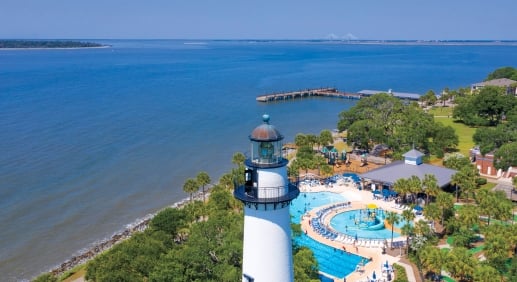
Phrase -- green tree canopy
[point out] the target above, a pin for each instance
(504, 72)
(487, 107)
(506, 156)
(325, 137)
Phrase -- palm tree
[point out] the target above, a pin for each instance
(468, 183)
(468, 215)
(319, 161)
(486, 273)
(203, 179)
(300, 140)
(430, 186)
(444, 201)
(415, 186)
(190, 186)
(456, 180)
(392, 218)
(407, 229)
(226, 180)
(432, 258)
(460, 262)
(433, 212)
(238, 159)
(488, 204)
(401, 186)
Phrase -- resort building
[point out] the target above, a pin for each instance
(413, 164)
(508, 84)
(485, 164)
(400, 95)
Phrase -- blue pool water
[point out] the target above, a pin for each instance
(346, 223)
(308, 201)
(331, 261)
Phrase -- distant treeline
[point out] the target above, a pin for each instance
(46, 44)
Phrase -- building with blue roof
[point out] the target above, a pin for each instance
(412, 165)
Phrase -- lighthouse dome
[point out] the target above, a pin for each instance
(266, 131)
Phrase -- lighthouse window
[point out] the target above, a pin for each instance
(266, 150)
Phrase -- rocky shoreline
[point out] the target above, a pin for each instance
(118, 237)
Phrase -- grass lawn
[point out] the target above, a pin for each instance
(441, 111)
(464, 133)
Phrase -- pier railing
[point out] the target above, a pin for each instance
(322, 92)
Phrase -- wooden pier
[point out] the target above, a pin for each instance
(319, 92)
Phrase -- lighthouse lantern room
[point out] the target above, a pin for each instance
(266, 194)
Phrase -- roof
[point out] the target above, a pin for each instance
(501, 82)
(266, 131)
(396, 170)
(413, 154)
(402, 95)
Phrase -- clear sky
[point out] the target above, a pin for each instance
(260, 19)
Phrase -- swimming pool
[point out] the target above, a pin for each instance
(346, 223)
(332, 261)
(308, 201)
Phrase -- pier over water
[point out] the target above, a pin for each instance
(330, 92)
(318, 92)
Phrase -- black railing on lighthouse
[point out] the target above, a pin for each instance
(267, 195)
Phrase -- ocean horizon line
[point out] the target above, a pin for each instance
(373, 40)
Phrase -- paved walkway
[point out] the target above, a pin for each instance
(358, 199)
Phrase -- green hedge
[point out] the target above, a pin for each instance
(400, 273)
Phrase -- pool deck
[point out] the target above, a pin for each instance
(358, 200)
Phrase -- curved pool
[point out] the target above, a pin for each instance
(308, 201)
(362, 224)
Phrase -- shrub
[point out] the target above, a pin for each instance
(481, 181)
(400, 273)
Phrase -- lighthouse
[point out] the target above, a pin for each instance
(266, 195)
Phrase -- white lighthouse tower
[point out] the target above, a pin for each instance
(266, 194)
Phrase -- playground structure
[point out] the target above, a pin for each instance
(369, 219)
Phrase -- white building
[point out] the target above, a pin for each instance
(266, 194)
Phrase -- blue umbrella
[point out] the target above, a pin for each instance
(418, 208)
(376, 192)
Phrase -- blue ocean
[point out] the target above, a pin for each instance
(93, 139)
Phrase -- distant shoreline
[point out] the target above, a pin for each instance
(53, 48)
(10, 44)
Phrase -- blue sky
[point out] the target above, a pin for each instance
(264, 19)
